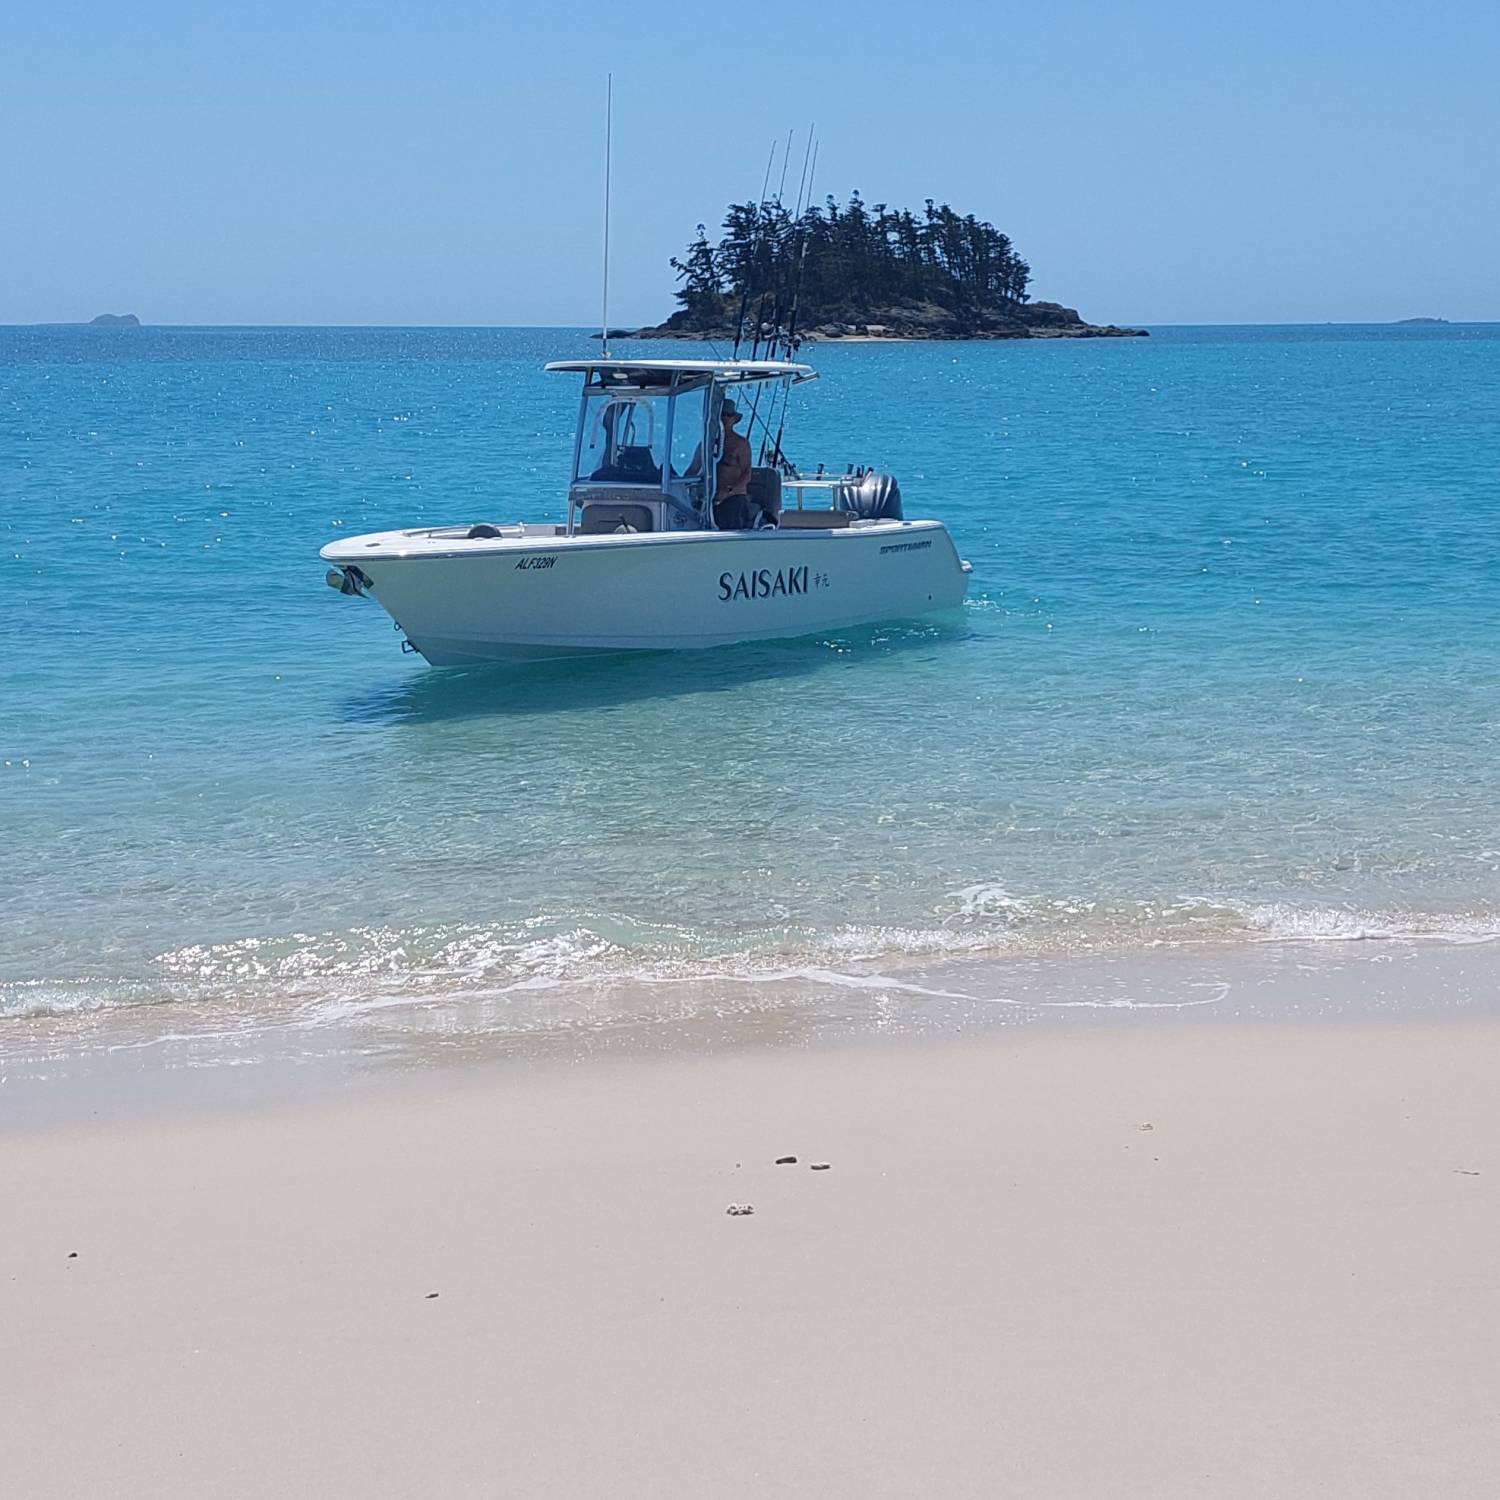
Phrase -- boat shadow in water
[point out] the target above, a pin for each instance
(601, 684)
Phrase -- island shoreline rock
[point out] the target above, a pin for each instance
(1036, 320)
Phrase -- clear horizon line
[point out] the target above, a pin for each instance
(589, 328)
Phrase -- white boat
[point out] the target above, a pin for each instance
(639, 564)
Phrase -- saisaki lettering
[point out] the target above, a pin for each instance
(762, 583)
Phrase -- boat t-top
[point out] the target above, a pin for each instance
(641, 563)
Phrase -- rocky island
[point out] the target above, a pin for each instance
(855, 272)
(115, 320)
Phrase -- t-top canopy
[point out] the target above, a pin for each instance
(644, 372)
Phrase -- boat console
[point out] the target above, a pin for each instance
(648, 441)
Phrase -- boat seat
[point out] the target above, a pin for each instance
(604, 516)
(765, 490)
(630, 466)
(814, 520)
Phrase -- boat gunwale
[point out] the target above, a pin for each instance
(501, 546)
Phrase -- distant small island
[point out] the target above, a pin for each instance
(115, 320)
(855, 272)
(1424, 322)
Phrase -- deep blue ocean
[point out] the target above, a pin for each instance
(1229, 672)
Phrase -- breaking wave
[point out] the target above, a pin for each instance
(544, 961)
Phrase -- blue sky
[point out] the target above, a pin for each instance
(441, 163)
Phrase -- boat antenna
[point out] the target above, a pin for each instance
(609, 121)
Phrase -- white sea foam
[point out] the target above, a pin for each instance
(986, 899)
(535, 965)
(1282, 921)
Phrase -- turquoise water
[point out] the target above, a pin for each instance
(1229, 671)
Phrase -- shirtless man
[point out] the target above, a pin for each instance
(732, 497)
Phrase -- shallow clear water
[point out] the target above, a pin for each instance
(1230, 669)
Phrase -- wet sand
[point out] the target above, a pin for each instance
(1181, 1261)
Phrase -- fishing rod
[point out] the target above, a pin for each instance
(757, 265)
(777, 457)
(809, 172)
(769, 285)
(769, 447)
(800, 236)
(765, 187)
(802, 182)
(781, 187)
(797, 279)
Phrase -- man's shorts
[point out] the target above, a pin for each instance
(733, 513)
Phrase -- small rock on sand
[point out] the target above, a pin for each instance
(821, 1166)
(786, 1161)
(739, 1210)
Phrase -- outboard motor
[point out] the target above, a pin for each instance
(870, 497)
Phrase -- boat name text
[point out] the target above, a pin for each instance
(906, 547)
(762, 583)
(528, 563)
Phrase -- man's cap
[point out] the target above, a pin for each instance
(729, 409)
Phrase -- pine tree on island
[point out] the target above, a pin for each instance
(841, 270)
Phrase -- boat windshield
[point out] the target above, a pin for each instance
(624, 438)
(689, 415)
(646, 438)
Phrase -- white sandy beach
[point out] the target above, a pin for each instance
(1209, 1261)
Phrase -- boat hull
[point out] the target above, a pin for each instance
(539, 597)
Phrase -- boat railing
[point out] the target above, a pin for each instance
(830, 482)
